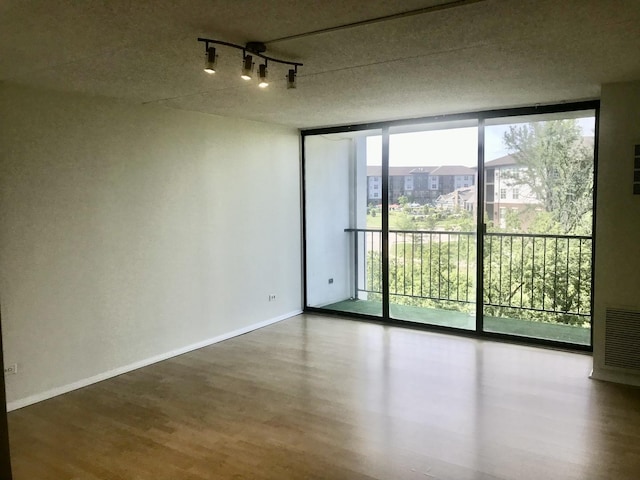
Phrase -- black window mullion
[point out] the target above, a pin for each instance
(480, 231)
(385, 223)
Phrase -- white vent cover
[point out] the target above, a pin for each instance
(622, 342)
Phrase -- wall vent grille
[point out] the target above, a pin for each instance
(622, 342)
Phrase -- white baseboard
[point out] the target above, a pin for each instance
(54, 392)
(615, 376)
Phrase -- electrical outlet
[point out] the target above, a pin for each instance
(272, 297)
(330, 281)
(11, 369)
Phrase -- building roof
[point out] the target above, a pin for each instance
(453, 170)
(501, 162)
(376, 170)
(466, 194)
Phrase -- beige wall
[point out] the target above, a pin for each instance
(131, 233)
(617, 281)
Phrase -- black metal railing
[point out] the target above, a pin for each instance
(538, 273)
(542, 274)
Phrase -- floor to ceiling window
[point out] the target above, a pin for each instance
(432, 223)
(538, 206)
(477, 222)
(343, 235)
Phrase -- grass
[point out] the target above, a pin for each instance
(402, 221)
(452, 318)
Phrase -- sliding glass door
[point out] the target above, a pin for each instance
(539, 215)
(432, 223)
(400, 226)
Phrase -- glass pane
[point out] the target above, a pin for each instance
(538, 211)
(343, 235)
(432, 223)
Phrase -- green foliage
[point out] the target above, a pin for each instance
(539, 274)
(426, 271)
(523, 277)
(544, 222)
(404, 221)
(559, 169)
(513, 222)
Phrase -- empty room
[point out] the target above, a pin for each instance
(320, 240)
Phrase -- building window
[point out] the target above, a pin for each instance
(503, 193)
(516, 194)
(375, 195)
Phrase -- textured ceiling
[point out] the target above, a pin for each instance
(477, 54)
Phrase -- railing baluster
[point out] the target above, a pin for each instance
(555, 277)
(510, 266)
(500, 273)
(430, 266)
(458, 270)
(468, 259)
(567, 306)
(488, 290)
(579, 274)
(396, 263)
(413, 253)
(544, 270)
(373, 266)
(439, 263)
(380, 262)
(533, 270)
(521, 271)
(421, 262)
(448, 265)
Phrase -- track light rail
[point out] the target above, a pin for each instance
(254, 48)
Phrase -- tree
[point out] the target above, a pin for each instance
(405, 222)
(558, 169)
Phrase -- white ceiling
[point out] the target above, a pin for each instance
(474, 55)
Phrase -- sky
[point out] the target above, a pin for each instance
(446, 147)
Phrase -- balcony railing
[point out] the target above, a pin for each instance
(544, 275)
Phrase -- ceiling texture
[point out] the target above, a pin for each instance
(386, 60)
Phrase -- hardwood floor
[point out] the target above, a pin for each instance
(322, 398)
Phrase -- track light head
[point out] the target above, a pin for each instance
(262, 74)
(210, 60)
(291, 78)
(247, 67)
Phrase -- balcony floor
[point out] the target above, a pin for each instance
(455, 319)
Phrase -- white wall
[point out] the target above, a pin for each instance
(328, 167)
(130, 233)
(617, 280)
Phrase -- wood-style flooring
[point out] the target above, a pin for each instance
(316, 397)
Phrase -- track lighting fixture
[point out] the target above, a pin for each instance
(250, 50)
(262, 74)
(247, 67)
(291, 78)
(210, 61)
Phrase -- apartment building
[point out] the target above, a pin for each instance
(422, 185)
